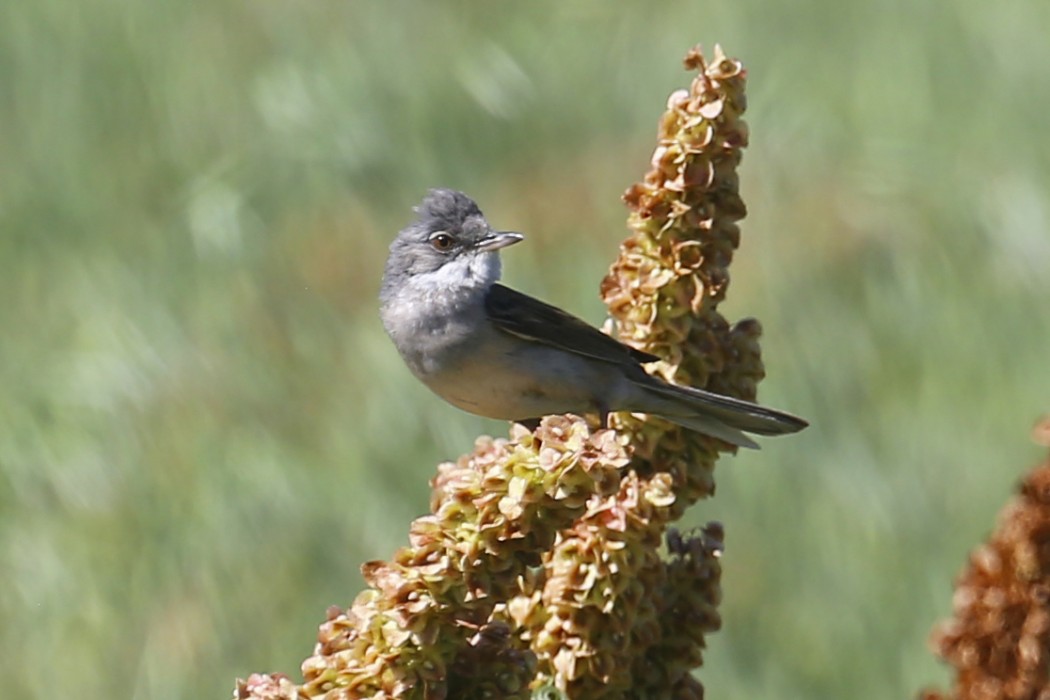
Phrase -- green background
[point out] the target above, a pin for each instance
(204, 431)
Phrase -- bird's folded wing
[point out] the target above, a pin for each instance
(532, 319)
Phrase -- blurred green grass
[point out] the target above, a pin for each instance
(203, 431)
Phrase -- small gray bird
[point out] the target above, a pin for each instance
(498, 353)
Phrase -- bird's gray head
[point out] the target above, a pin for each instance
(450, 246)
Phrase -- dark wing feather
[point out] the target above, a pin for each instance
(532, 319)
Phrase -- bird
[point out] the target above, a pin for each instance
(496, 352)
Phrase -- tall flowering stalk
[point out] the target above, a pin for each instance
(998, 640)
(664, 290)
(610, 617)
(539, 570)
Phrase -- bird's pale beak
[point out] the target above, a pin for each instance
(495, 240)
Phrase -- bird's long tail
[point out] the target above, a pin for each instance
(713, 414)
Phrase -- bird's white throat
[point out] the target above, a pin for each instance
(461, 278)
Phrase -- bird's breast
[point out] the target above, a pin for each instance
(431, 331)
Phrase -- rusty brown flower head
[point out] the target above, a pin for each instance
(998, 639)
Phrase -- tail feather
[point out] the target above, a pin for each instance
(719, 416)
(714, 428)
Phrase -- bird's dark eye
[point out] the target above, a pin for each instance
(442, 242)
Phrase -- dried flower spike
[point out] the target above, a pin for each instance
(597, 617)
(672, 272)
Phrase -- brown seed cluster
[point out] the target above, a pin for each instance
(998, 640)
(663, 291)
(687, 610)
(539, 570)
